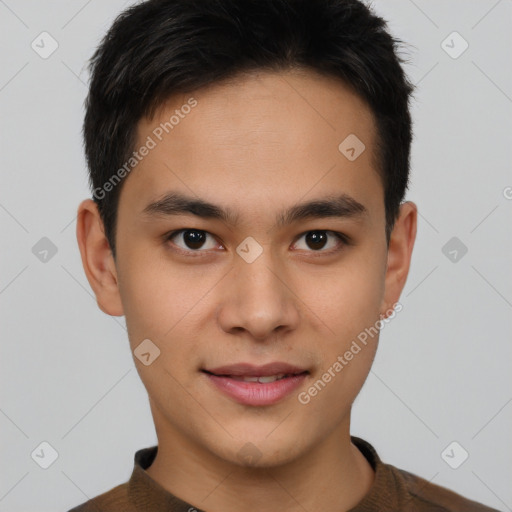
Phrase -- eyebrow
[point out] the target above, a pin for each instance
(176, 203)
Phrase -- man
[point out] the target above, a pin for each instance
(249, 161)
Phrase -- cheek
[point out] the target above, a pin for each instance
(348, 298)
(162, 305)
(147, 284)
(349, 306)
(349, 312)
(165, 303)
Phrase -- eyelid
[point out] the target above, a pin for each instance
(197, 252)
(342, 238)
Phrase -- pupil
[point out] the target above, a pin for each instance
(316, 239)
(194, 239)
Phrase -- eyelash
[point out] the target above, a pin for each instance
(344, 239)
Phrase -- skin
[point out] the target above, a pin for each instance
(256, 145)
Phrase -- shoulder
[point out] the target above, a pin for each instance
(395, 489)
(111, 501)
(428, 496)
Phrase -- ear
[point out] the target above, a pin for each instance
(97, 258)
(400, 248)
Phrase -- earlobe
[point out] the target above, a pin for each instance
(97, 259)
(400, 249)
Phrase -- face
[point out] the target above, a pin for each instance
(255, 278)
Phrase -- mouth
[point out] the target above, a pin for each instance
(262, 379)
(251, 385)
(275, 369)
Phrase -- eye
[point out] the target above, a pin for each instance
(192, 239)
(188, 240)
(318, 240)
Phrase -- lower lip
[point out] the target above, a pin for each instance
(256, 393)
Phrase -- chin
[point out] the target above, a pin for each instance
(259, 451)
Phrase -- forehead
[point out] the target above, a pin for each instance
(263, 138)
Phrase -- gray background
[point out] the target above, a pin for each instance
(442, 372)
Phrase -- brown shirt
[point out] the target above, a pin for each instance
(392, 490)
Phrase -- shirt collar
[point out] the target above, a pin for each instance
(146, 493)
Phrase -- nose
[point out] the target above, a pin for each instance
(259, 300)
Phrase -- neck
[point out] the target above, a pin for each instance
(333, 475)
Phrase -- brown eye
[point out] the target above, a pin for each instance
(316, 239)
(191, 239)
(319, 239)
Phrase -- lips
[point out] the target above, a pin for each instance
(253, 385)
